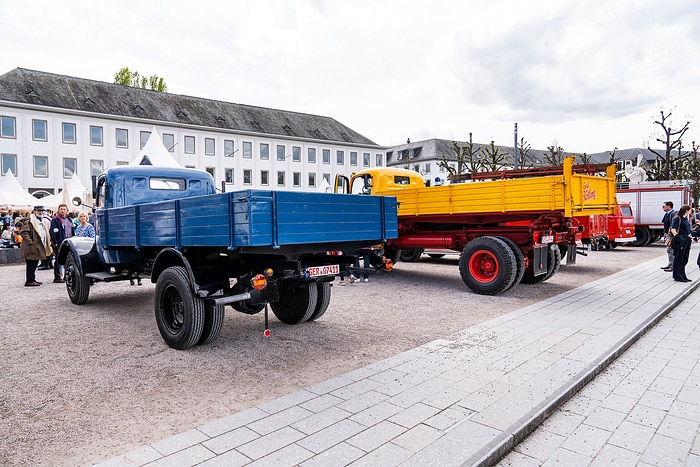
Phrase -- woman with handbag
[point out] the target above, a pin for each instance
(680, 229)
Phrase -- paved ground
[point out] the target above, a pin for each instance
(471, 397)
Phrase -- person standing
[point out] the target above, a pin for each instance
(669, 213)
(680, 229)
(61, 228)
(84, 229)
(36, 244)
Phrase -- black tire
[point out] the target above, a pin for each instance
(409, 256)
(179, 314)
(488, 266)
(519, 259)
(554, 263)
(436, 255)
(213, 322)
(642, 235)
(392, 253)
(296, 304)
(77, 285)
(248, 308)
(323, 300)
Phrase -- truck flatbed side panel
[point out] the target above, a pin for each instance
(204, 221)
(157, 224)
(121, 226)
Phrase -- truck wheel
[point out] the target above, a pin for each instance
(324, 298)
(213, 322)
(179, 314)
(554, 263)
(392, 253)
(642, 235)
(77, 285)
(409, 256)
(488, 266)
(296, 304)
(519, 260)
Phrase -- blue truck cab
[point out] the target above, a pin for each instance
(205, 250)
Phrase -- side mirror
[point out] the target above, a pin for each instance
(77, 201)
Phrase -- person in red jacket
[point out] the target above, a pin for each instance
(61, 228)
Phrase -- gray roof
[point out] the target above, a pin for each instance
(65, 92)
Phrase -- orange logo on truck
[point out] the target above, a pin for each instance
(588, 194)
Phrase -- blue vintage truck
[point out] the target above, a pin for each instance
(205, 250)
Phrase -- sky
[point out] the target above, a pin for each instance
(586, 75)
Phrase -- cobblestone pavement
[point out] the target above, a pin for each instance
(470, 398)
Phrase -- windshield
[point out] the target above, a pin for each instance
(626, 211)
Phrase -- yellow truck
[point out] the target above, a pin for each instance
(511, 227)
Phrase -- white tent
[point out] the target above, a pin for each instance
(72, 188)
(13, 196)
(154, 152)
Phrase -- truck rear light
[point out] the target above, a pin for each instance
(388, 264)
(259, 282)
(268, 272)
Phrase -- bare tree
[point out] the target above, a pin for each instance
(524, 154)
(493, 158)
(127, 77)
(671, 139)
(555, 155)
(467, 158)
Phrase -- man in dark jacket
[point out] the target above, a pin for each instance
(669, 214)
(61, 228)
(36, 244)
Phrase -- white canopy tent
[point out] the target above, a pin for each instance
(155, 153)
(13, 196)
(72, 188)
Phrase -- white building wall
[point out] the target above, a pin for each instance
(56, 151)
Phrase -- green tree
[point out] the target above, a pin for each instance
(668, 167)
(493, 158)
(466, 156)
(126, 77)
(555, 155)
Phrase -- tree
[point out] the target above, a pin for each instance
(125, 77)
(666, 165)
(467, 157)
(555, 155)
(693, 163)
(524, 154)
(493, 158)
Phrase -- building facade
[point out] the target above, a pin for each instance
(52, 126)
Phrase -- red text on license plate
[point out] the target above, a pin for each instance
(316, 271)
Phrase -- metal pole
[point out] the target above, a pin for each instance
(515, 147)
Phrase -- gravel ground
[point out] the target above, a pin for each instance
(81, 384)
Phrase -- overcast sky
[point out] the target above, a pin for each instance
(588, 74)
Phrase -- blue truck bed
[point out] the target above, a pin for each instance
(250, 218)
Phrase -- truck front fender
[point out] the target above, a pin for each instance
(85, 252)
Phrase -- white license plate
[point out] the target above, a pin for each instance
(547, 239)
(331, 269)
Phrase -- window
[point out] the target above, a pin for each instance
(189, 144)
(326, 156)
(69, 133)
(211, 171)
(162, 183)
(209, 146)
(228, 148)
(144, 135)
(246, 176)
(41, 166)
(340, 157)
(126, 163)
(296, 153)
(122, 138)
(280, 152)
(296, 178)
(280, 178)
(365, 159)
(70, 166)
(95, 136)
(312, 180)
(247, 149)
(379, 159)
(228, 174)
(311, 156)
(169, 142)
(9, 162)
(39, 130)
(427, 167)
(7, 127)
(96, 167)
(327, 178)
(264, 151)
(353, 158)
(264, 177)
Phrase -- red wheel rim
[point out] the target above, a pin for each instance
(483, 266)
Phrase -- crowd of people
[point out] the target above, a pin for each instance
(39, 233)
